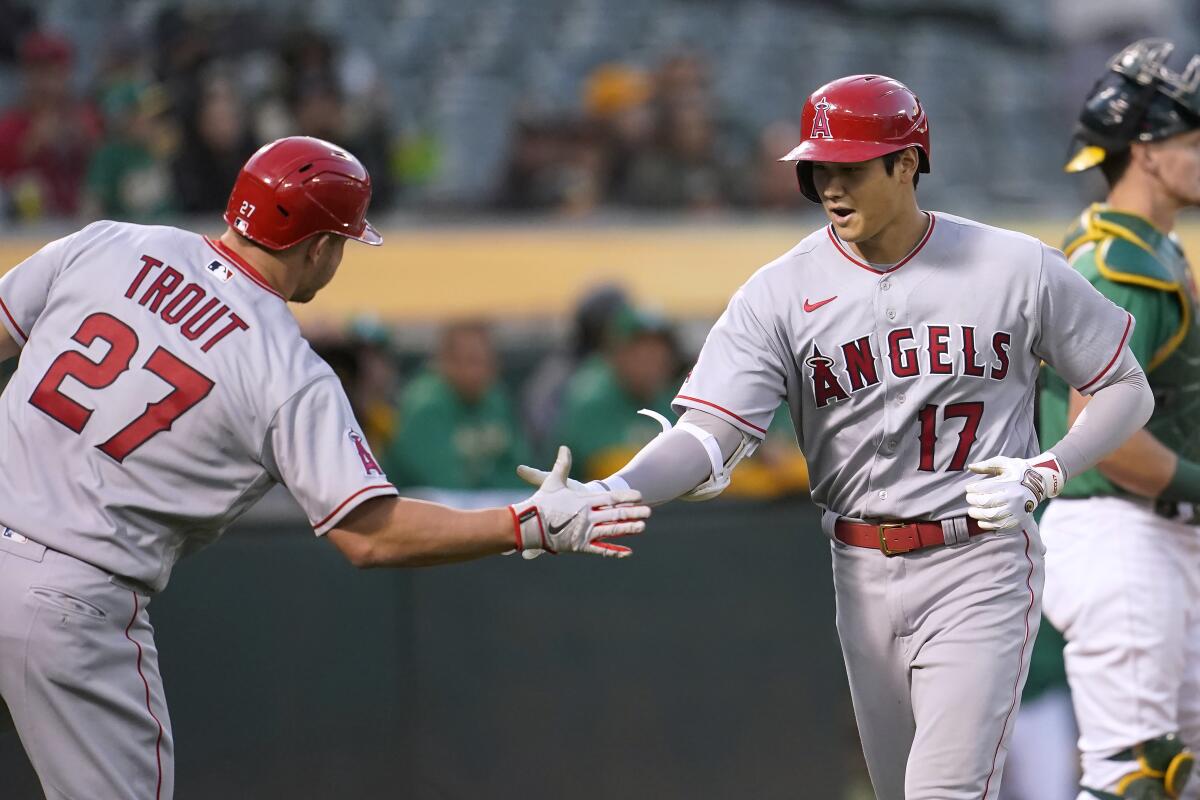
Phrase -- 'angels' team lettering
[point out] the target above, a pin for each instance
(929, 350)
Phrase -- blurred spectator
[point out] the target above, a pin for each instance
(617, 101)
(638, 369)
(685, 166)
(556, 165)
(682, 76)
(682, 170)
(543, 396)
(373, 392)
(17, 20)
(775, 185)
(216, 142)
(457, 429)
(129, 177)
(307, 57)
(362, 357)
(47, 140)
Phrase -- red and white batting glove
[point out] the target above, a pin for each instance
(1015, 488)
(565, 516)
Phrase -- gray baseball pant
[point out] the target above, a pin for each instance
(937, 645)
(79, 673)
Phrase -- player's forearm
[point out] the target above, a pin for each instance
(1143, 465)
(675, 463)
(1114, 414)
(671, 465)
(394, 532)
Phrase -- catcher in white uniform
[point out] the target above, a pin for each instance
(906, 345)
(163, 387)
(1123, 542)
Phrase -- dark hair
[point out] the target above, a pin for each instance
(1114, 166)
(889, 165)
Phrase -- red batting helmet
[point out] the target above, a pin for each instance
(858, 118)
(295, 187)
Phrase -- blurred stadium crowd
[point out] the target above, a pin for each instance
(142, 109)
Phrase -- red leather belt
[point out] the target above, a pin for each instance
(894, 538)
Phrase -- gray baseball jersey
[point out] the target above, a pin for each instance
(897, 377)
(162, 388)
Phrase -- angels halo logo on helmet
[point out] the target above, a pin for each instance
(858, 118)
(295, 187)
(820, 126)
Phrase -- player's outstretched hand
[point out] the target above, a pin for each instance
(565, 516)
(1013, 489)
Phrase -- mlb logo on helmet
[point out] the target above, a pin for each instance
(219, 271)
(370, 465)
(820, 128)
(241, 224)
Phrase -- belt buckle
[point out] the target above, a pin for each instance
(881, 529)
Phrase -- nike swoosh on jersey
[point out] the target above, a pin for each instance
(814, 306)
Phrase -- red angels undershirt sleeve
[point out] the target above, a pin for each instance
(25, 288)
(1081, 333)
(740, 374)
(315, 447)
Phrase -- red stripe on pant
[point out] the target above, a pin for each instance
(146, 683)
(1020, 669)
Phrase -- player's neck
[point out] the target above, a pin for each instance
(1142, 198)
(273, 271)
(896, 239)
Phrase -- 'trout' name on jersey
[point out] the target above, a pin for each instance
(177, 303)
(942, 350)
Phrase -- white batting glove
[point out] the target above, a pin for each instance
(565, 516)
(534, 477)
(1015, 488)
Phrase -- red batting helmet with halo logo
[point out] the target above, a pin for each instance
(858, 118)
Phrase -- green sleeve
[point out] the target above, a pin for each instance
(1157, 313)
(504, 474)
(579, 430)
(423, 452)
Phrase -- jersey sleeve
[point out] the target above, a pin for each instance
(24, 288)
(315, 447)
(1080, 331)
(740, 375)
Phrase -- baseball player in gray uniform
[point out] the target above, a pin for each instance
(163, 387)
(906, 345)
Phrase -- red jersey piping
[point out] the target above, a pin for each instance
(242, 265)
(11, 319)
(343, 504)
(858, 263)
(1116, 355)
(723, 411)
